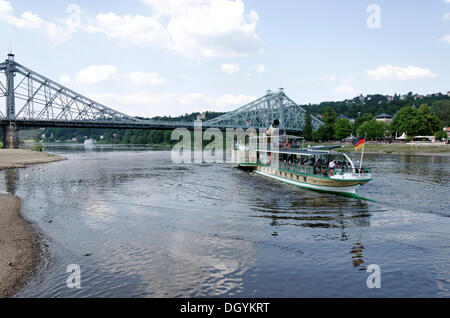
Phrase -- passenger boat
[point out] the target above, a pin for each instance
(284, 158)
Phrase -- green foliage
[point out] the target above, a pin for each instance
(38, 147)
(342, 129)
(307, 129)
(329, 118)
(362, 119)
(441, 135)
(320, 134)
(373, 129)
(442, 110)
(429, 123)
(406, 121)
(414, 122)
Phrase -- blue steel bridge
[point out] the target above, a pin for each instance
(33, 100)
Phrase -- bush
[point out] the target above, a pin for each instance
(38, 147)
(441, 135)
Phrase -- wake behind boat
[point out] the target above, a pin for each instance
(284, 158)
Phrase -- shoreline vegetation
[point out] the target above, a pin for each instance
(20, 246)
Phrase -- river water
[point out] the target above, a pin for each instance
(139, 225)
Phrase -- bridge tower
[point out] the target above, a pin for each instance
(10, 131)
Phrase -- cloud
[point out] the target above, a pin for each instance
(230, 69)
(138, 30)
(195, 28)
(390, 72)
(164, 104)
(141, 78)
(447, 16)
(57, 32)
(96, 74)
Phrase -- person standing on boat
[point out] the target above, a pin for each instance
(332, 164)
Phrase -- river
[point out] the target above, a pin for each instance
(139, 225)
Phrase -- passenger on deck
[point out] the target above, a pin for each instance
(332, 164)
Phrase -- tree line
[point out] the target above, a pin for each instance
(421, 121)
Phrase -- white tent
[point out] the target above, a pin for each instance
(402, 137)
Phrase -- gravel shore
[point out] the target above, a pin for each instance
(20, 250)
(20, 158)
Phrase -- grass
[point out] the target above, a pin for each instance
(400, 148)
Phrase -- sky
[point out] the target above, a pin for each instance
(171, 57)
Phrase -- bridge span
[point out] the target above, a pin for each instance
(33, 100)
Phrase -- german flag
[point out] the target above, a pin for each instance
(359, 142)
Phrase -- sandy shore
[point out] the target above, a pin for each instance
(19, 247)
(20, 250)
(19, 158)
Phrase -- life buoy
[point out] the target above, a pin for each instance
(331, 173)
(287, 145)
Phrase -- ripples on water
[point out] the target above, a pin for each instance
(139, 225)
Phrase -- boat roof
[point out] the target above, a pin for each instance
(304, 152)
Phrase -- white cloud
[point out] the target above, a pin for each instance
(447, 16)
(195, 28)
(230, 69)
(141, 78)
(390, 72)
(160, 104)
(57, 32)
(138, 30)
(96, 74)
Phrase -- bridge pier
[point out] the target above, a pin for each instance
(10, 136)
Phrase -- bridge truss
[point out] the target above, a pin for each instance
(262, 112)
(33, 100)
(33, 97)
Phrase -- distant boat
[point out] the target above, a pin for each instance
(89, 143)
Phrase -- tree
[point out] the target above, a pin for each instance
(407, 121)
(307, 129)
(429, 122)
(373, 129)
(342, 128)
(362, 119)
(441, 135)
(329, 118)
(442, 110)
(319, 134)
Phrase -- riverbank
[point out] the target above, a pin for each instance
(19, 247)
(20, 158)
(417, 149)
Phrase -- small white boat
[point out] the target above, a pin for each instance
(89, 143)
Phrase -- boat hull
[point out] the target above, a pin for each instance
(346, 187)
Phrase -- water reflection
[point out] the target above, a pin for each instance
(11, 178)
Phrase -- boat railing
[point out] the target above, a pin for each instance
(321, 169)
